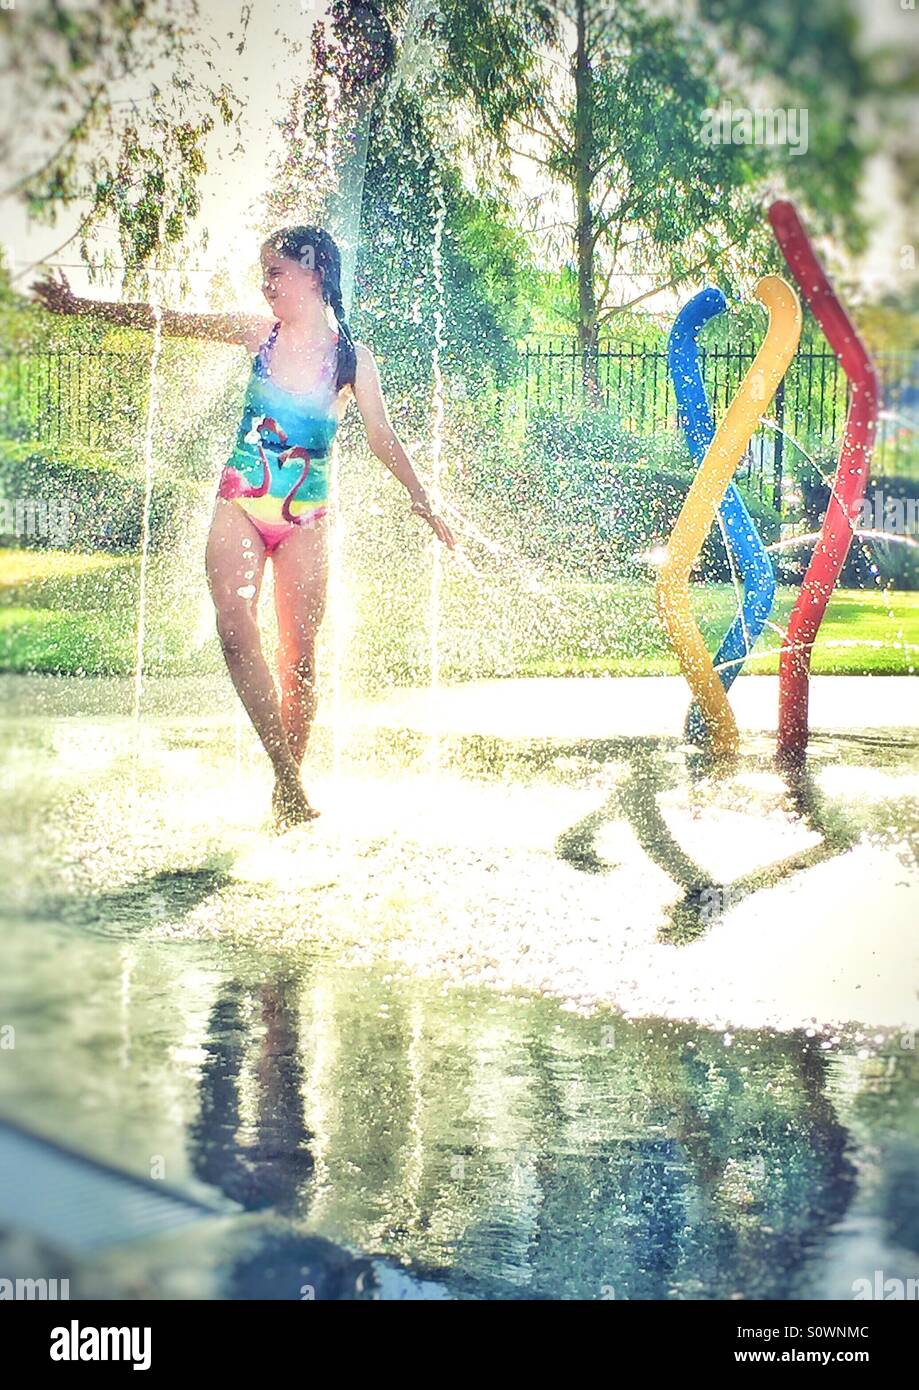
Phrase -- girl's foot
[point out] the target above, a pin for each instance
(289, 805)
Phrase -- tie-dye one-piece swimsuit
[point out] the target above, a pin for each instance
(278, 471)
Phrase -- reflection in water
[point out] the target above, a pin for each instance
(494, 1146)
(520, 1152)
(249, 1139)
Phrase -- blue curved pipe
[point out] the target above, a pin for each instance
(746, 546)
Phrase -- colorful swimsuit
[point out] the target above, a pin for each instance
(278, 471)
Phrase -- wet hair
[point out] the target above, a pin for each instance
(315, 249)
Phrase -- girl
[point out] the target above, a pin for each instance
(273, 492)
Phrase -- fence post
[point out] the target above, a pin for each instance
(779, 449)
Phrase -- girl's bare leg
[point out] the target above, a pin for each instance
(300, 580)
(235, 562)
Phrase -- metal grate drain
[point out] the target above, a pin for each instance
(77, 1204)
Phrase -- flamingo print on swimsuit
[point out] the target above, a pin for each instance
(280, 428)
(296, 453)
(233, 484)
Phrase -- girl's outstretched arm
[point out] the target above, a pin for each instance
(248, 329)
(386, 444)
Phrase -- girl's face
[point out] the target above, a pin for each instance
(288, 285)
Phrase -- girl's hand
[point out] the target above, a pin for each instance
(56, 296)
(421, 507)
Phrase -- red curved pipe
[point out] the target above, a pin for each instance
(849, 484)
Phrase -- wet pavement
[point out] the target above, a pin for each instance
(546, 1015)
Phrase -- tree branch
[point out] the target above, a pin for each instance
(671, 283)
(43, 168)
(523, 154)
(549, 135)
(603, 293)
(73, 236)
(546, 113)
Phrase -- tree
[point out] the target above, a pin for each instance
(135, 161)
(813, 56)
(486, 261)
(609, 97)
(613, 111)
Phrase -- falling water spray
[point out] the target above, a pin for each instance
(437, 443)
(148, 460)
(357, 56)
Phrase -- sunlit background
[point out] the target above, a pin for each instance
(544, 1004)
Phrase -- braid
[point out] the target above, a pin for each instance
(347, 354)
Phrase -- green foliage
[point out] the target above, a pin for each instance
(889, 501)
(593, 498)
(104, 493)
(675, 201)
(8, 297)
(491, 55)
(93, 388)
(487, 275)
(137, 163)
(657, 205)
(813, 56)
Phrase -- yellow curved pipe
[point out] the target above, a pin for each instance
(704, 497)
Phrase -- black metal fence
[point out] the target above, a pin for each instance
(810, 405)
(94, 398)
(97, 398)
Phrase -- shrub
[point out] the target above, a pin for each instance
(593, 497)
(105, 492)
(870, 562)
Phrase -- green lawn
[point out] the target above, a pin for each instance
(73, 613)
(861, 634)
(69, 613)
